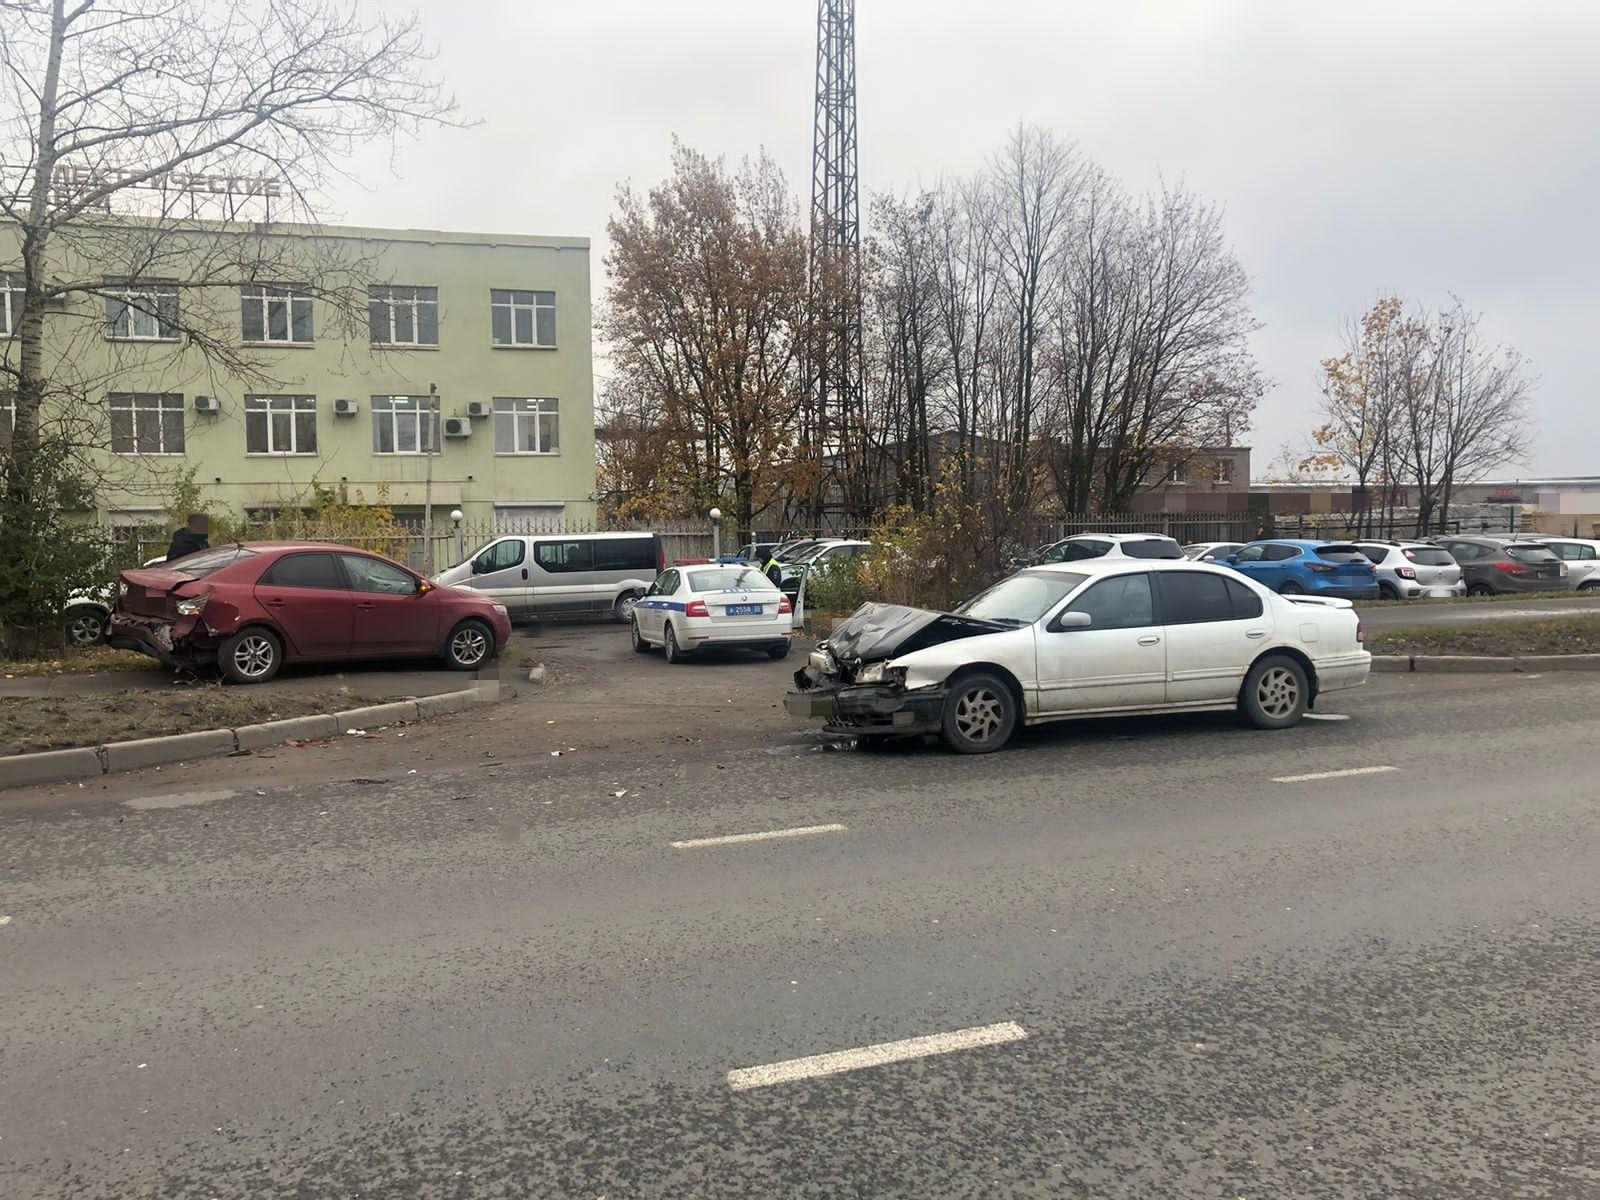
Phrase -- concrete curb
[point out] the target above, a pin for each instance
(1483, 664)
(60, 766)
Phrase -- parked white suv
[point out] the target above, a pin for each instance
(1081, 546)
(1582, 556)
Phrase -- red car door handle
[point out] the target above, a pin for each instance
(365, 604)
(276, 601)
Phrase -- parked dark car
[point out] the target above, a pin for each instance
(249, 608)
(1495, 566)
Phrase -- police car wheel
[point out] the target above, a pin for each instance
(779, 649)
(669, 643)
(639, 644)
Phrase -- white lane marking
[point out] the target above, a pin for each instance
(1327, 716)
(839, 1061)
(735, 838)
(1315, 775)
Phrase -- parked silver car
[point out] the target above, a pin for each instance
(1582, 556)
(1413, 571)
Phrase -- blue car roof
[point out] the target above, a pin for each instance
(1307, 543)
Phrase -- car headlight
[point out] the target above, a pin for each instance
(501, 609)
(880, 672)
(193, 606)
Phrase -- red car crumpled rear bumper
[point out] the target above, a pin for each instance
(178, 643)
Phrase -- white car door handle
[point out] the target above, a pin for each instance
(1149, 639)
(1255, 633)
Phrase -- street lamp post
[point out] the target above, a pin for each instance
(716, 533)
(456, 515)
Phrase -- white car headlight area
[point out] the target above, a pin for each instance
(874, 672)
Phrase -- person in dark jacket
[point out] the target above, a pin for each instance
(191, 538)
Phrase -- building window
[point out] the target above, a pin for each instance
(280, 424)
(146, 423)
(523, 318)
(403, 316)
(1222, 471)
(142, 312)
(275, 314)
(1178, 473)
(526, 426)
(11, 292)
(405, 424)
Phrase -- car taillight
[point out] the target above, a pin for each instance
(1406, 572)
(1361, 634)
(1322, 568)
(193, 606)
(696, 608)
(1512, 568)
(784, 606)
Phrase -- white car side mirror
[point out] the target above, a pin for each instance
(1074, 620)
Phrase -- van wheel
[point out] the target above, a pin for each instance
(640, 646)
(250, 656)
(980, 714)
(470, 645)
(1274, 693)
(669, 644)
(622, 610)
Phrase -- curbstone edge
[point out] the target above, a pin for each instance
(149, 752)
(377, 714)
(50, 766)
(290, 729)
(446, 702)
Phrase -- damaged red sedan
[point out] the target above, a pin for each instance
(249, 608)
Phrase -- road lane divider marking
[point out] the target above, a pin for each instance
(840, 1061)
(1327, 716)
(1345, 774)
(734, 839)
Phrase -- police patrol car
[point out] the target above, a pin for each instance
(690, 607)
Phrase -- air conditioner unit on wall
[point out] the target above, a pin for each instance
(478, 408)
(457, 427)
(207, 404)
(346, 408)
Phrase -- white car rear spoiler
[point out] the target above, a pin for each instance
(1324, 601)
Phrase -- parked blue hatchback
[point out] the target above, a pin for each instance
(1294, 565)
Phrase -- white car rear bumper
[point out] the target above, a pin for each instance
(735, 631)
(1345, 671)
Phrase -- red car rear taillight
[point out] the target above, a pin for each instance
(1361, 634)
(1406, 572)
(696, 608)
(784, 606)
(1512, 568)
(1322, 568)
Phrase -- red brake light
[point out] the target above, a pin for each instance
(1361, 634)
(661, 557)
(784, 606)
(1322, 568)
(1511, 568)
(696, 608)
(1406, 572)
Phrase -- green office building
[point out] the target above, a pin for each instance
(477, 344)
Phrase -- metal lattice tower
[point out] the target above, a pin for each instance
(835, 276)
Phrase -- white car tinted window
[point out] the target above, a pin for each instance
(1124, 602)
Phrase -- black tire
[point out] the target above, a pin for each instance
(1275, 693)
(1589, 586)
(640, 646)
(669, 645)
(469, 646)
(779, 650)
(1291, 588)
(1479, 589)
(622, 610)
(1387, 591)
(85, 625)
(252, 655)
(980, 714)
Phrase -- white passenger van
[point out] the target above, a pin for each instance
(563, 574)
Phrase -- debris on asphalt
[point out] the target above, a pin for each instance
(356, 732)
(5, 920)
(621, 794)
(536, 673)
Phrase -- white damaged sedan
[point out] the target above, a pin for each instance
(1103, 637)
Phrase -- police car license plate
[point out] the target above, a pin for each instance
(744, 610)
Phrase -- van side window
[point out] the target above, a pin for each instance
(625, 554)
(500, 556)
(560, 557)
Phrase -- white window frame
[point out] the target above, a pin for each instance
(141, 304)
(269, 296)
(504, 406)
(11, 294)
(385, 294)
(263, 404)
(511, 302)
(384, 412)
(163, 403)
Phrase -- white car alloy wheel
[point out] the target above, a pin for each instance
(254, 656)
(1278, 692)
(623, 609)
(979, 714)
(85, 627)
(469, 646)
(639, 644)
(1275, 693)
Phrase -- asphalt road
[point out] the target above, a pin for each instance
(1420, 615)
(323, 975)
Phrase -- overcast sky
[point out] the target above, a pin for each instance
(1422, 147)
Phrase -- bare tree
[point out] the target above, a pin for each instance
(127, 130)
